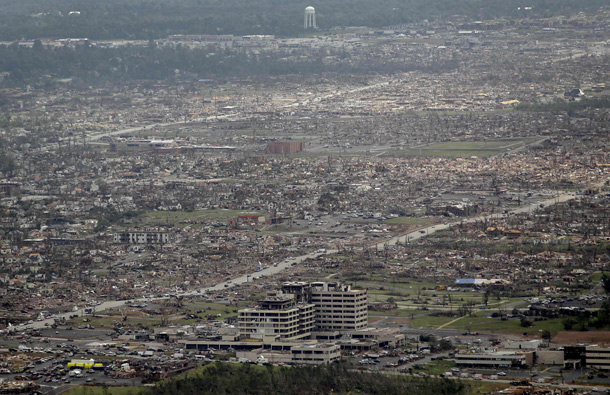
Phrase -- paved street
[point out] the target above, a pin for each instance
(282, 265)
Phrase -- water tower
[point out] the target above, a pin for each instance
(310, 18)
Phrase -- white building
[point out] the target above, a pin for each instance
(496, 359)
(315, 354)
(300, 308)
(598, 357)
(339, 307)
(529, 345)
(144, 238)
(278, 318)
(306, 353)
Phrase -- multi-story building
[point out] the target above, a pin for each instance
(9, 189)
(300, 308)
(497, 359)
(339, 307)
(598, 357)
(308, 352)
(278, 318)
(284, 147)
(315, 354)
(285, 322)
(152, 237)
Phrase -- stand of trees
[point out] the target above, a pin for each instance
(90, 64)
(325, 379)
(153, 19)
(570, 107)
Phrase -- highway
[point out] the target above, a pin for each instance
(268, 271)
(284, 264)
(423, 232)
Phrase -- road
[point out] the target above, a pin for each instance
(268, 271)
(423, 232)
(130, 130)
(284, 264)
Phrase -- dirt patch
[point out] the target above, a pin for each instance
(581, 337)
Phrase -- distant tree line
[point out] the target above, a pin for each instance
(570, 107)
(40, 65)
(334, 378)
(152, 19)
(7, 164)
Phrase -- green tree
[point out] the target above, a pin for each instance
(526, 322)
(606, 282)
(547, 335)
(486, 296)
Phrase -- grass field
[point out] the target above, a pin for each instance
(410, 221)
(459, 149)
(486, 324)
(426, 292)
(394, 313)
(428, 321)
(477, 145)
(596, 277)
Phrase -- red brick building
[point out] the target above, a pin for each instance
(284, 147)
